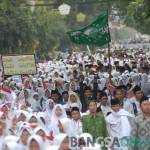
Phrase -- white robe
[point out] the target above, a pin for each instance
(76, 127)
(118, 125)
(55, 120)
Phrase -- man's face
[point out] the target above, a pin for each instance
(104, 100)
(139, 95)
(92, 107)
(115, 108)
(120, 95)
(65, 97)
(75, 115)
(88, 93)
(54, 97)
(145, 107)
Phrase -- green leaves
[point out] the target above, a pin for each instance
(19, 27)
(138, 15)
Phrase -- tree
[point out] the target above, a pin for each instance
(138, 15)
(16, 27)
(51, 28)
(19, 27)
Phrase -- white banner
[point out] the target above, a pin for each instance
(19, 65)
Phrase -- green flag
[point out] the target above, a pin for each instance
(97, 33)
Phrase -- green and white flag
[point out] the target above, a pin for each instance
(97, 33)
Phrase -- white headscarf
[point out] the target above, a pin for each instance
(37, 129)
(39, 122)
(54, 124)
(48, 112)
(38, 139)
(78, 102)
(35, 104)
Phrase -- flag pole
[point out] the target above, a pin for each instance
(109, 54)
(88, 48)
(109, 60)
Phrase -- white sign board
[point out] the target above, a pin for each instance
(19, 65)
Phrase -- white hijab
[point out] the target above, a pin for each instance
(35, 103)
(48, 112)
(38, 139)
(54, 124)
(77, 103)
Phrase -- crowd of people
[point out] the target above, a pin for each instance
(79, 102)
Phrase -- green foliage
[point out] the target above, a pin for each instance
(19, 26)
(138, 15)
(15, 26)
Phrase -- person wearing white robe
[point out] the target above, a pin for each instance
(35, 105)
(118, 122)
(57, 114)
(25, 133)
(76, 124)
(42, 133)
(74, 99)
(62, 140)
(48, 112)
(35, 142)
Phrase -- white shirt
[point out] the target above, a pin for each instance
(105, 109)
(76, 127)
(118, 124)
(133, 100)
(127, 105)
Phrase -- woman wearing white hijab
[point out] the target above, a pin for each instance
(74, 100)
(57, 114)
(35, 142)
(48, 112)
(21, 116)
(24, 136)
(62, 140)
(42, 133)
(34, 121)
(24, 97)
(36, 102)
(45, 98)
